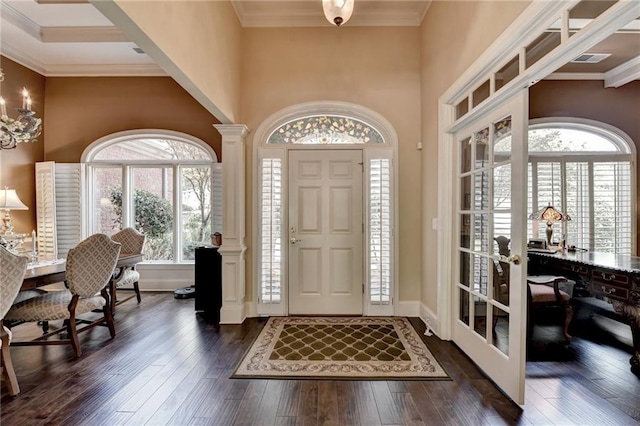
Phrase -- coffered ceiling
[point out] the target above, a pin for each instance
(72, 38)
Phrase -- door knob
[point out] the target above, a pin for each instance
(514, 258)
(294, 240)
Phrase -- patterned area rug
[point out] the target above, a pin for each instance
(339, 348)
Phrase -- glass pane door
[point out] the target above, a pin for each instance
(490, 295)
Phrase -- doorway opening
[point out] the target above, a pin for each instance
(325, 170)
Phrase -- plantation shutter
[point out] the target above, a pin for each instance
(270, 238)
(578, 204)
(380, 225)
(612, 207)
(546, 185)
(596, 194)
(216, 207)
(46, 212)
(60, 196)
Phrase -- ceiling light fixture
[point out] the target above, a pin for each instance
(24, 128)
(337, 12)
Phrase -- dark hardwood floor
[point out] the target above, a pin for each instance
(166, 366)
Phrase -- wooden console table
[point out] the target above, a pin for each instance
(606, 283)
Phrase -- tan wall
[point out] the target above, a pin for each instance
(17, 166)
(201, 38)
(377, 68)
(453, 36)
(589, 99)
(83, 109)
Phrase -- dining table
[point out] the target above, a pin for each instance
(51, 272)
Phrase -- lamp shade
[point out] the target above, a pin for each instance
(9, 200)
(338, 12)
(549, 214)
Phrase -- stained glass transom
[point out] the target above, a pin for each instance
(325, 129)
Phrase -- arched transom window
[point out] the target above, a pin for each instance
(325, 129)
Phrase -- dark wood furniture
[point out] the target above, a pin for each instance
(543, 292)
(42, 275)
(208, 283)
(606, 283)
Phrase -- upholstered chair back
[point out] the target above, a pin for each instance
(132, 241)
(12, 269)
(90, 264)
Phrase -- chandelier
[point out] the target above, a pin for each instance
(337, 12)
(24, 128)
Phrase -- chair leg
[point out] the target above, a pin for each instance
(568, 312)
(108, 314)
(112, 296)
(73, 328)
(137, 289)
(7, 365)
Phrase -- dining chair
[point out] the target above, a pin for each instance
(132, 243)
(12, 269)
(90, 266)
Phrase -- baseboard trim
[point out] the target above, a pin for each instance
(429, 319)
(232, 314)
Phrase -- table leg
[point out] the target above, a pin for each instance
(632, 314)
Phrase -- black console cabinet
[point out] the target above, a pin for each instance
(208, 283)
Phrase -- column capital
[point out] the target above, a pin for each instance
(232, 129)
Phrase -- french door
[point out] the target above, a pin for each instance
(489, 321)
(325, 232)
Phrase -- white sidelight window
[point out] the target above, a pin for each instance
(271, 231)
(380, 231)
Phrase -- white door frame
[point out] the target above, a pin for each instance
(535, 19)
(513, 42)
(389, 150)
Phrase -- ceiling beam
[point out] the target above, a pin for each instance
(623, 74)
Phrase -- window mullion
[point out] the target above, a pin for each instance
(592, 227)
(177, 211)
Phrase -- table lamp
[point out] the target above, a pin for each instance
(9, 201)
(550, 215)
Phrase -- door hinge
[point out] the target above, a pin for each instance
(362, 288)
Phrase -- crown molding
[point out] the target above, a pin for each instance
(310, 18)
(9, 14)
(623, 74)
(82, 70)
(105, 70)
(62, 1)
(82, 35)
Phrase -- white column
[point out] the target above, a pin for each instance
(233, 222)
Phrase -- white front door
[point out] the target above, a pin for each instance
(490, 293)
(325, 232)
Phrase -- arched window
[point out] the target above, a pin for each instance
(165, 184)
(585, 169)
(325, 129)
